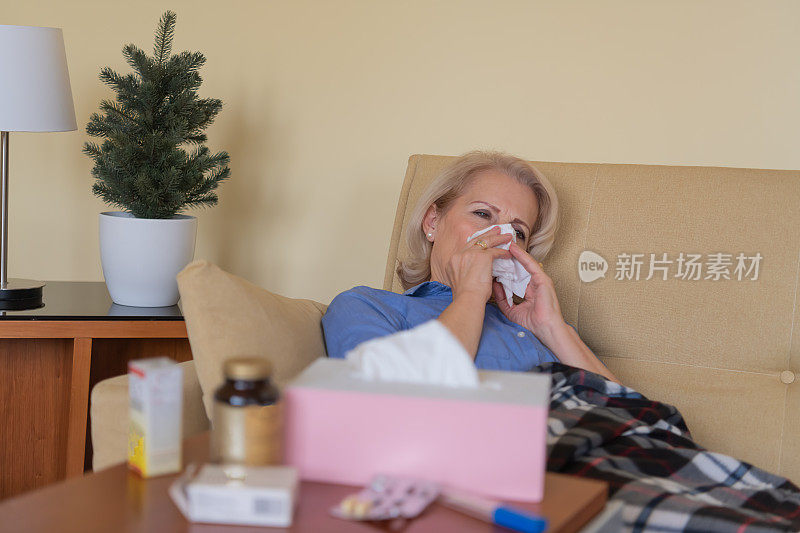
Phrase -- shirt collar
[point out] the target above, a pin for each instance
(429, 288)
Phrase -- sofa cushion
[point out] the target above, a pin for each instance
(227, 316)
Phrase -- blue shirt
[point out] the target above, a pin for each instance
(363, 313)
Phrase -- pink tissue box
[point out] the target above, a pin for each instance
(489, 440)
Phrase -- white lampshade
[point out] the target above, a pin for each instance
(34, 81)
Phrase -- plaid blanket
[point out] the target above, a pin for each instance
(644, 451)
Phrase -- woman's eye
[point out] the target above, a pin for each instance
(520, 234)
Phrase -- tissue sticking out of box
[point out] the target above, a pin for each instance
(427, 354)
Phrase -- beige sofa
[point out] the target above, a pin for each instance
(725, 352)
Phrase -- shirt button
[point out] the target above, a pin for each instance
(521, 334)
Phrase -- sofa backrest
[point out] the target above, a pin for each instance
(726, 352)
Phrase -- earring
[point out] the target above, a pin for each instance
(430, 236)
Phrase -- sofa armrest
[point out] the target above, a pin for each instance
(109, 415)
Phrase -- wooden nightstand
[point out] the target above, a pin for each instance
(51, 357)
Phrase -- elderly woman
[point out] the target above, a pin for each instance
(597, 427)
(448, 275)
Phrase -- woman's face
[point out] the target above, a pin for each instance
(492, 198)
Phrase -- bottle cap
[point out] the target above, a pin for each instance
(247, 368)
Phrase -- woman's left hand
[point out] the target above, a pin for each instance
(540, 312)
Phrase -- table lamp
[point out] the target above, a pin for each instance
(35, 95)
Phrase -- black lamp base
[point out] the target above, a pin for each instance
(21, 294)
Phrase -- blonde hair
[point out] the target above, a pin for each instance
(451, 183)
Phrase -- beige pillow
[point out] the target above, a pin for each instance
(227, 316)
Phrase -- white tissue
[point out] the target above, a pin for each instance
(428, 354)
(509, 272)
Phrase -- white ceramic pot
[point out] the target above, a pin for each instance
(142, 256)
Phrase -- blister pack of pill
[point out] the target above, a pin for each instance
(388, 498)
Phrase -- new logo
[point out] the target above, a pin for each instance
(591, 266)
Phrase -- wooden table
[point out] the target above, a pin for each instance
(118, 500)
(51, 357)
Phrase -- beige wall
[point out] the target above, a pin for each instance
(325, 101)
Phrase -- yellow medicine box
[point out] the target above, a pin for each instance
(154, 431)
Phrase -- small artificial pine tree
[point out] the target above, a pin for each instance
(142, 165)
